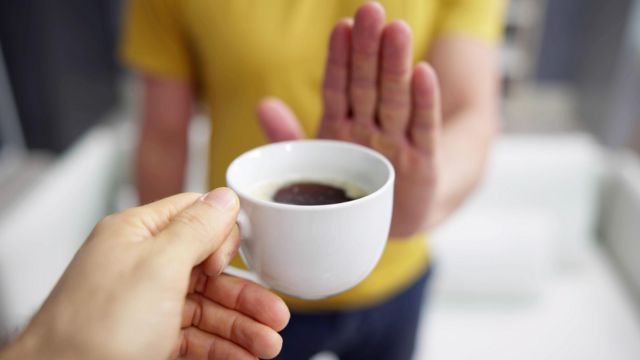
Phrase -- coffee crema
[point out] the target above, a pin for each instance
(311, 193)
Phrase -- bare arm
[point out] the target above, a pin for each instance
(433, 122)
(161, 154)
(468, 73)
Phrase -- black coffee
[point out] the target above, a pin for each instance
(308, 193)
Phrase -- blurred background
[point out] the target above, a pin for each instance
(543, 262)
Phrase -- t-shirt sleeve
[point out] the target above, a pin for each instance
(154, 39)
(483, 19)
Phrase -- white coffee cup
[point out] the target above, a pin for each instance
(312, 252)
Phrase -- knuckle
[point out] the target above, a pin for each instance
(237, 333)
(110, 221)
(133, 213)
(395, 84)
(423, 126)
(395, 70)
(194, 222)
(335, 83)
(190, 194)
(365, 50)
(106, 221)
(363, 84)
(334, 95)
(361, 94)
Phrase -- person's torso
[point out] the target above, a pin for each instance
(247, 50)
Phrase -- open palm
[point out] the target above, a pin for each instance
(374, 96)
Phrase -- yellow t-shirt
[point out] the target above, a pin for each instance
(238, 51)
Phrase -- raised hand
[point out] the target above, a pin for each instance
(374, 96)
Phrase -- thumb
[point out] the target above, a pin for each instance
(277, 120)
(199, 230)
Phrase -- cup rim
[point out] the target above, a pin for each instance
(338, 143)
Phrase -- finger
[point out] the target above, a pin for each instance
(216, 262)
(200, 229)
(426, 117)
(278, 122)
(249, 299)
(336, 73)
(152, 218)
(395, 79)
(257, 338)
(365, 46)
(197, 344)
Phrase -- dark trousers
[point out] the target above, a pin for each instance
(386, 331)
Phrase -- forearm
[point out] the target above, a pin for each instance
(15, 352)
(465, 144)
(25, 347)
(468, 70)
(160, 164)
(161, 155)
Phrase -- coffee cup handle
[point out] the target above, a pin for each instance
(245, 233)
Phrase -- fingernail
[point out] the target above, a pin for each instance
(221, 198)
